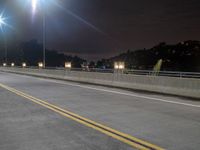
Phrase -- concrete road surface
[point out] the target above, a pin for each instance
(26, 123)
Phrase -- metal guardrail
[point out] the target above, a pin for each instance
(164, 73)
(128, 71)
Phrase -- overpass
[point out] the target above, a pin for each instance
(43, 109)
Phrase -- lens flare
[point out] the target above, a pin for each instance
(34, 6)
(2, 21)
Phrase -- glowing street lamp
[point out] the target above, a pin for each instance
(12, 64)
(40, 65)
(119, 65)
(116, 66)
(68, 65)
(34, 6)
(24, 65)
(4, 64)
(2, 21)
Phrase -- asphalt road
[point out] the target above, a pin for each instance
(165, 121)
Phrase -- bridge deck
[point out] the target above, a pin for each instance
(169, 122)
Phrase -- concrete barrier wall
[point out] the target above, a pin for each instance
(187, 87)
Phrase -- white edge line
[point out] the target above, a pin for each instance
(123, 93)
(116, 92)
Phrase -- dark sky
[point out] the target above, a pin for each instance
(103, 28)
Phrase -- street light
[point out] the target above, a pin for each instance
(68, 65)
(34, 6)
(12, 64)
(2, 21)
(23, 64)
(40, 65)
(119, 65)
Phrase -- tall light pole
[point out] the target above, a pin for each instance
(6, 50)
(34, 6)
(3, 23)
(44, 35)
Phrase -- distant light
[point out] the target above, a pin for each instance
(23, 65)
(40, 65)
(4, 64)
(116, 66)
(119, 65)
(12, 64)
(68, 65)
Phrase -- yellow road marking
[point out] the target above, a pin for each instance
(128, 139)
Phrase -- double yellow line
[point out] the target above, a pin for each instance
(125, 138)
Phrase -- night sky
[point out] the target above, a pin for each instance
(102, 28)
